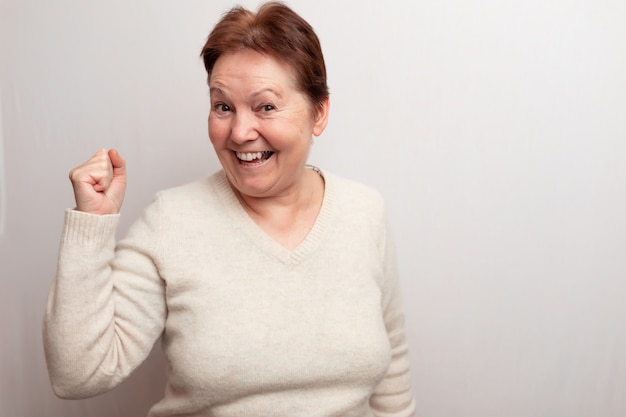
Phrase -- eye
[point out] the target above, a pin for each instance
(267, 107)
(221, 107)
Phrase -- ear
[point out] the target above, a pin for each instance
(321, 117)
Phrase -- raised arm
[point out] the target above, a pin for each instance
(106, 306)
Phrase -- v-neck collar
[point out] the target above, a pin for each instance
(258, 237)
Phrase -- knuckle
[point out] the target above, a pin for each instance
(73, 174)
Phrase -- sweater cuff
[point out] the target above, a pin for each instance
(89, 230)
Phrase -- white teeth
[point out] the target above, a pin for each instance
(249, 156)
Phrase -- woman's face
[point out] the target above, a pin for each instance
(260, 124)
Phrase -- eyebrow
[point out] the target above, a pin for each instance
(218, 90)
(266, 90)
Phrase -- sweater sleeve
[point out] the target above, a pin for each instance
(106, 306)
(393, 397)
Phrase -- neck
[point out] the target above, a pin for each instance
(288, 218)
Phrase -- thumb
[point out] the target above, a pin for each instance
(118, 163)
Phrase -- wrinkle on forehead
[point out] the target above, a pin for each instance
(255, 68)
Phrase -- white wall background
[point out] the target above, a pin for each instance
(495, 129)
(3, 210)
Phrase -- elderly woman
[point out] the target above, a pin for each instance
(272, 284)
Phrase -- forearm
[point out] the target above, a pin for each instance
(80, 310)
(90, 345)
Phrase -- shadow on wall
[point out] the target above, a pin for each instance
(2, 176)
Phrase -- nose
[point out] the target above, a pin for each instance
(243, 127)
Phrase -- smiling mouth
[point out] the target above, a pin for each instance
(253, 158)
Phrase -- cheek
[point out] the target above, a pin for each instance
(217, 130)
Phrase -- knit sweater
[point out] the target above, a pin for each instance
(248, 327)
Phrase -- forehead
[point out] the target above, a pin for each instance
(247, 67)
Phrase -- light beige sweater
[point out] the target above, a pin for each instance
(248, 327)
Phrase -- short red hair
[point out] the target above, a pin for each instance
(277, 31)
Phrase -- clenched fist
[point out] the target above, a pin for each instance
(100, 183)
